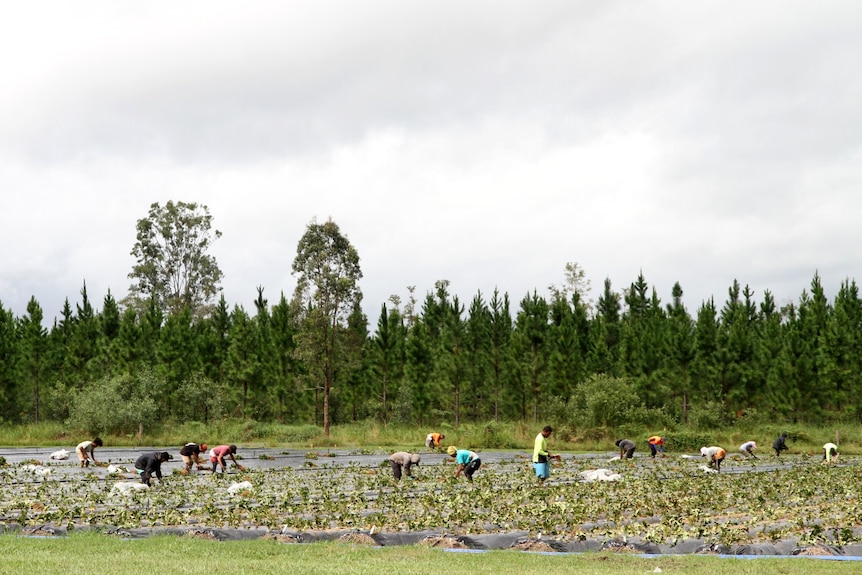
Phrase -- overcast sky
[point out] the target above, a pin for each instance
(485, 143)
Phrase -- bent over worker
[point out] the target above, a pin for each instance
(779, 444)
(191, 455)
(86, 451)
(830, 453)
(218, 454)
(748, 448)
(627, 448)
(150, 464)
(714, 456)
(403, 461)
(432, 440)
(656, 445)
(468, 461)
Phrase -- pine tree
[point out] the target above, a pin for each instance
(33, 338)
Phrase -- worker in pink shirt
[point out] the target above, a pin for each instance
(218, 454)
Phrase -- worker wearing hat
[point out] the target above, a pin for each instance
(468, 461)
(191, 454)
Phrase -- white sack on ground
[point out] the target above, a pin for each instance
(599, 475)
(126, 487)
(237, 487)
(37, 469)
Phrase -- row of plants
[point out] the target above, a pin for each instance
(662, 501)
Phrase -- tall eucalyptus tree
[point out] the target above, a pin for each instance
(327, 293)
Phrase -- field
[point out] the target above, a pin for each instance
(792, 505)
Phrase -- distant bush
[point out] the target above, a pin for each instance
(604, 401)
(711, 416)
(679, 441)
(256, 430)
(118, 405)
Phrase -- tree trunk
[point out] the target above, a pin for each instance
(326, 387)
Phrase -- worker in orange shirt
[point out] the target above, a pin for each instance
(432, 441)
(714, 456)
(656, 445)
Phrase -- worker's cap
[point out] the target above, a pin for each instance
(203, 446)
(703, 451)
(414, 458)
(452, 450)
(165, 456)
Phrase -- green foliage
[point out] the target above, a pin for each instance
(712, 415)
(173, 265)
(277, 433)
(604, 401)
(686, 441)
(118, 405)
(327, 295)
(497, 436)
(200, 399)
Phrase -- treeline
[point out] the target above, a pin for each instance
(627, 358)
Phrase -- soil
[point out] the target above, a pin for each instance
(443, 542)
(534, 545)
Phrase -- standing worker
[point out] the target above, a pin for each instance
(779, 444)
(714, 456)
(86, 451)
(403, 461)
(191, 454)
(627, 448)
(541, 455)
(150, 464)
(432, 440)
(468, 461)
(830, 453)
(748, 448)
(656, 445)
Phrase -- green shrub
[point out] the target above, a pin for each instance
(710, 416)
(256, 430)
(117, 404)
(680, 441)
(604, 401)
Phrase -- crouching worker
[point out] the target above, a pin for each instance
(191, 454)
(403, 461)
(714, 456)
(150, 464)
(830, 453)
(468, 461)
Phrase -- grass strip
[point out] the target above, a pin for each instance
(98, 554)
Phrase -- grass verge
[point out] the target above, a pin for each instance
(96, 554)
